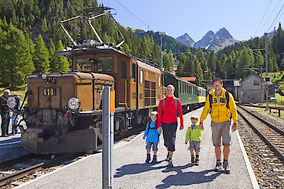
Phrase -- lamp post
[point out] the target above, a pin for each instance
(161, 34)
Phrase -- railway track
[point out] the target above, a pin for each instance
(32, 162)
(271, 135)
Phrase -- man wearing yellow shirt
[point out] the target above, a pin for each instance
(222, 107)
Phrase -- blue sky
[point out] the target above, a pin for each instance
(196, 17)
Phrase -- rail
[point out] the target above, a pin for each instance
(266, 140)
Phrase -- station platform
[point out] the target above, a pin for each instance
(130, 170)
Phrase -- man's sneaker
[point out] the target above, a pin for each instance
(148, 159)
(218, 166)
(170, 165)
(226, 167)
(196, 161)
(168, 157)
(192, 159)
(154, 159)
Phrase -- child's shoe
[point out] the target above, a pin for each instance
(192, 159)
(148, 158)
(154, 159)
(196, 162)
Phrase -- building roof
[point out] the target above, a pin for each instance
(189, 79)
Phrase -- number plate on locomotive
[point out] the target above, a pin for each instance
(49, 92)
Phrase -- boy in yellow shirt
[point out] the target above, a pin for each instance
(193, 135)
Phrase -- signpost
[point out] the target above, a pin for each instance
(108, 138)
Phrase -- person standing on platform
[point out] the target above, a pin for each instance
(193, 135)
(222, 107)
(169, 110)
(5, 113)
(152, 137)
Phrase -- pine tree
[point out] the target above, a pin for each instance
(60, 63)
(41, 56)
(15, 57)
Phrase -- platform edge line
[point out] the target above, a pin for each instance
(249, 167)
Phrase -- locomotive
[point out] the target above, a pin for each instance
(64, 110)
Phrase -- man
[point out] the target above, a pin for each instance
(5, 112)
(222, 107)
(169, 107)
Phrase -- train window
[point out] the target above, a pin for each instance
(133, 70)
(141, 76)
(190, 90)
(83, 64)
(159, 81)
(104, 64)
(123, 69)
(153, 85)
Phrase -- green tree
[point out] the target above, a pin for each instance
(41, 56)
(15, 57)
(60, 63)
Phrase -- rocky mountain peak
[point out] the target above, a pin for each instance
(186, 39)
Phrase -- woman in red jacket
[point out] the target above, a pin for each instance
(169, 107)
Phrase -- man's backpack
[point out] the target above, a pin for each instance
(164, 102)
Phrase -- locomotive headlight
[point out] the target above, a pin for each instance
(74, 103)
(11, 102)
(44, 76)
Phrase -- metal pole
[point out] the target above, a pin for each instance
(266, 60)
(107, 151)
(161, 52)
(261, 84)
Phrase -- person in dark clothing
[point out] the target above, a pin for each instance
(5, 113)
(169, 108)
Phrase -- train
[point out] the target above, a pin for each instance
(63, 113)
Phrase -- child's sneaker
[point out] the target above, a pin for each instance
(218, 166)
(226, 167)
(154, 159)
(192, 159)
(196, 162)
(148, 159)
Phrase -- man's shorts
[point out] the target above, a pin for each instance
(194, 145)
(221, 130)
(155, 146)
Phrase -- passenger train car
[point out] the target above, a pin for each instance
(64, 110)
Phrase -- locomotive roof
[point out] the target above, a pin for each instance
(79, 50)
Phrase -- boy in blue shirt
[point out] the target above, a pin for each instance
(152, 137)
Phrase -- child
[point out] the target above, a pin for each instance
(14, 123)
(194, 135)
(152, 137)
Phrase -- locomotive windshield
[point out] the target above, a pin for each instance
(83, 64)
(104, 64)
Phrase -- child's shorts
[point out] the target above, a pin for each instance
(194, 145)
(155, 146)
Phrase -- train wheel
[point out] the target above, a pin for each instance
(123, 128)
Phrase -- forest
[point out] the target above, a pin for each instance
(30, 35)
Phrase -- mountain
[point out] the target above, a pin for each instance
(186, 39)
(217, 41)
(169, 43)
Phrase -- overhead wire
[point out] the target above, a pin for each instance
(275, 18)
(132, 14)
(262, 18)
(270, 15)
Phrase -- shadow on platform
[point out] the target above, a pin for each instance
(137, 168)
(187, 178)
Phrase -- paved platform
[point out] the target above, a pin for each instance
(130, 171)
